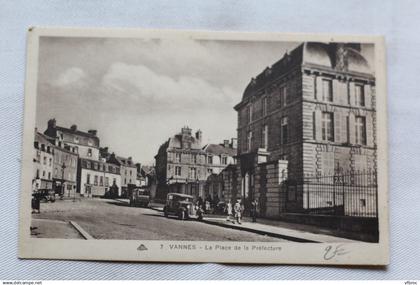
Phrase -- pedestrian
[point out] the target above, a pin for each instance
(238, 211)
(36, 203)
(254, 205)
(229, 211)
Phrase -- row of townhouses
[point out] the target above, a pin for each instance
(71, 162)
(312, 113)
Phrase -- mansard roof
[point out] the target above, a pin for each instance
(332, 56)
(218, 149)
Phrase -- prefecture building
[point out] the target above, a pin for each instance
(310, 113)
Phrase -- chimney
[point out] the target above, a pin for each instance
(199, 135)
(234, 143)
(73, 128)
(226, 143)
(52, 123)
(93, 132)
(186, 131)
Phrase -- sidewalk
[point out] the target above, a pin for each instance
(43, 228)
(274, 228)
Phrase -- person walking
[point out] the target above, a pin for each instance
(238, 211)
(229, 210)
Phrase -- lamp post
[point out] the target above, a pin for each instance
(62, 180)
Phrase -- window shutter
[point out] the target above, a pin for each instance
(344, 134)
(369, 130)
(337, 127)
(352, 130)
(352, 94)
(318, 91)
(336, 91)
(318, 125)
(368, 95)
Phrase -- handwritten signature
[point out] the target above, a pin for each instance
(333, 251)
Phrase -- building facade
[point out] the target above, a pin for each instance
(65, 171)
(310, 113)
(43, 154)
(95, 178)
(128, 171)
(220, 155)
(183, 164)
(85, 144)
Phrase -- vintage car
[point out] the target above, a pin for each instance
(181, 206)
(139, 197)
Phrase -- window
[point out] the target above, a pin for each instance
(210, 170)
(177, 170)
(224, 160)
(125, 180)
(249, 141)
(114, 181)
(178, 157)
(89, 153)
(88, 179)
(76, 139)
(210, 159)
(249, 113)
(49, 175)
(284, 130)
(37, 174)
(95, 180)
(360, 130)
(193, 172)
(101, 181)
(264, 106)
(360, 95)
(327, 126)
(45, 160)
(283, 96)
(107, 181)
(50, 162)
(264, 136)
(327, 94)
(131, 172)
(95, 166)
(43, 174)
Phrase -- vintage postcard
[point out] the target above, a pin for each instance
(182, 146)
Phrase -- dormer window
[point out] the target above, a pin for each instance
(76, 139)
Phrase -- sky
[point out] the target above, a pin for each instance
(139, 92)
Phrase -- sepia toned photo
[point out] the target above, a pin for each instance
(147, 145)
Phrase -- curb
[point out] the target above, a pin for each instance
(82, 232)
(287, 237)
(260, 232)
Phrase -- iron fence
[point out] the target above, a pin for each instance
(340, 194)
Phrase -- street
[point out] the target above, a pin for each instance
(111, 219)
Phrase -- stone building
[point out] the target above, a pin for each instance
(96, 177)
(65, 171)
(85, 144)
(220, 155)
(43, 163)
(128, 171)
(181, 164)
(312, 112)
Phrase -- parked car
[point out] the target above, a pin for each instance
(139, 197)
(46, 195)
(181, 206)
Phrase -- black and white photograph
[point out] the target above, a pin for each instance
(204, 147)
